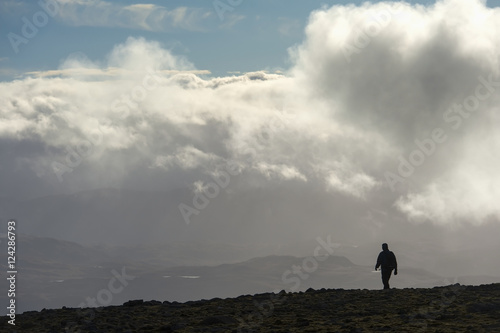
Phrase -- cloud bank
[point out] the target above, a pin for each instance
(382, 100)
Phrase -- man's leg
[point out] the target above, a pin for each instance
(386, 275)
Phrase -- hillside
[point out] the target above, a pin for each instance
(453, 308)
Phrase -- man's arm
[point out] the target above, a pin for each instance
(379, 261)
(395, 264)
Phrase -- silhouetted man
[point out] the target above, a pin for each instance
(387, 260)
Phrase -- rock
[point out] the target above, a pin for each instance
(134, 302)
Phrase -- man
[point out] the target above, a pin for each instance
(387, 260)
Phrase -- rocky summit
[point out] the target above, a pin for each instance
(453, 308)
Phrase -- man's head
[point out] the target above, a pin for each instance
(385, 247)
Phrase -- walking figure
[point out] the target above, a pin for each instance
(387, 260)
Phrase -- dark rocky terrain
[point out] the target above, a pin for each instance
(452, 308)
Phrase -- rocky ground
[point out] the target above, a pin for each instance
(453, 308)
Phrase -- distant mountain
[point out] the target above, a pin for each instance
(51, 250)
(55, 273)
(280, 220)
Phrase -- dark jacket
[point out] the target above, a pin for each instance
(387, 259)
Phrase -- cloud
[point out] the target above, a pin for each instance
(12, 8)
(367, 89)
(397, 70)
(279, 171)
(466, 193)
(356, 185)
(230, 20)
(186, 157)
(123, 61)
(150, 17)
(128, 114)
(110, 71)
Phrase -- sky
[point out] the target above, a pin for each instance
(254, 35)
(393, 105)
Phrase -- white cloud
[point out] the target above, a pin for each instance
(230, 20)
(356, 185)
(259, 121)
(150, 17)
(467, 192)
(279, 171)
(186, 158)
(396, 69)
